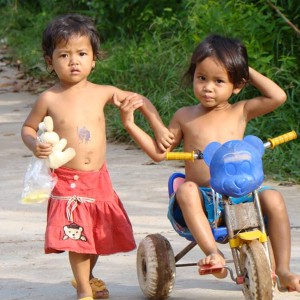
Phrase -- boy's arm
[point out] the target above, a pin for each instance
(272, 96)
(147, 143)
(163, 136)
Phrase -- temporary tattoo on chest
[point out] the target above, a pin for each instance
(83, 134)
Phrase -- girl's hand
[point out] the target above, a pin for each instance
(42, 150)
(164, 138)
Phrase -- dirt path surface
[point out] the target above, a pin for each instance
(27, 273)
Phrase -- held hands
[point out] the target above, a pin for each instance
(127, 107)
(164, 138)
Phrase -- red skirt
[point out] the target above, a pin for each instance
(85, 215)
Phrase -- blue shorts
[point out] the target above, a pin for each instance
(213, 212)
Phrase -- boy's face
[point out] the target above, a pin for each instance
(211, 83)
(73, 60)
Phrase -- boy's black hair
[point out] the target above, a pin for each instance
(231, 53)
(63, 27)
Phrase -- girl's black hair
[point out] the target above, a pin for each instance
(231, 53)
(63, 27)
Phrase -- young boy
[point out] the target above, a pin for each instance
(218, 69)
(83, 200)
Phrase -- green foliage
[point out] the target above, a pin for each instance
(149, 44)
(128, 19)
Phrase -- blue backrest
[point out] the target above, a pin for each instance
(174, 182)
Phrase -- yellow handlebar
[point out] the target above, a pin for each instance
(180, 156)
(272, 143)
(289, 136)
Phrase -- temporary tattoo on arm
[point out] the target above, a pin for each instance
(83, 134)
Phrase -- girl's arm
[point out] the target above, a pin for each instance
(272, 96)
(30, 127)
(147, 143)
(163, 136)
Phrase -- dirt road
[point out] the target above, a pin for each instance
(26, 273)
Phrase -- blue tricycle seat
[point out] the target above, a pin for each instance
(175, 214)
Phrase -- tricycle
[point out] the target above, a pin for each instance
(236, 170)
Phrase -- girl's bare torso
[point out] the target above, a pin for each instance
(79, 118)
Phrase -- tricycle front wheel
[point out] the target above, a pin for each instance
(255, 265)
(155, 267)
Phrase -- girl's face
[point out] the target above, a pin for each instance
(73, 60)
(211, 83)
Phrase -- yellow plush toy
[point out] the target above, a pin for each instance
(59, 156)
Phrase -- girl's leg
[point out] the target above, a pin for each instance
(93, 261)
(191, 204)
(98, 287)
(273, 206)
(80, 264)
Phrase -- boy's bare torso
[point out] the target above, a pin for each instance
(78, 116)
(200, 126)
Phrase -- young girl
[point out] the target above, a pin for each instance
(85, 216)
(218, 69)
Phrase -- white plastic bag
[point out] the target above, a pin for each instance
(38, 182)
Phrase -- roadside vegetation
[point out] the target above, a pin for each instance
(147, 46)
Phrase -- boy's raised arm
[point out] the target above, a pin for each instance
(146, 142)
(272, 96)
(163, 136)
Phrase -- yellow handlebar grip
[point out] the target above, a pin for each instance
(292, 135)
(180, 156)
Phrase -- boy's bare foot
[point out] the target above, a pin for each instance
(289, 280)
(214, 259)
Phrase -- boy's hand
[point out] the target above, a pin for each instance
(116, 101)
(127, 107)
(164, 138)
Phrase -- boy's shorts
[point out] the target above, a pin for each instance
(213, 213)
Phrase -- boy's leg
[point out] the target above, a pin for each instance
(190, 201)
(273, 206)
(80, 264)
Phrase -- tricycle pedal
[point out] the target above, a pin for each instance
(210, 269)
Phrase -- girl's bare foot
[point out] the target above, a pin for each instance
(289, 280)
(214, 259)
